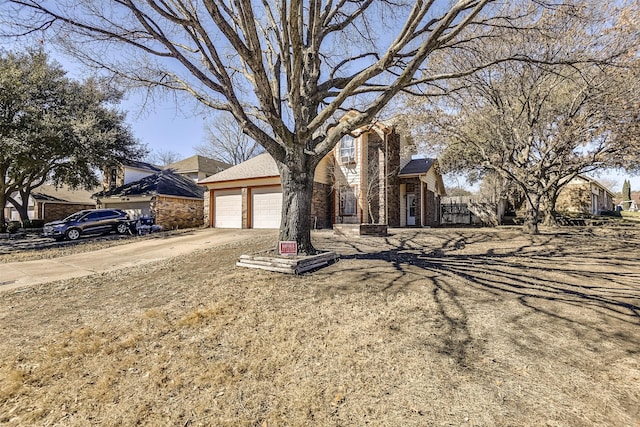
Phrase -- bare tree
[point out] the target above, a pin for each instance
(539, 122)
(286, 71)
(611, 184)
(163, 157)
(227, 142)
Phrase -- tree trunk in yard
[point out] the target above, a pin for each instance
(531, 217)
(297, 195)
(550, 218)
(22, 208)
(550, 207)
(3, 202)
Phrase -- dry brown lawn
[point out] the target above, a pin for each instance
(460, 327)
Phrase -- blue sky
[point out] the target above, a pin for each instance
(164, 127)
(167, 125)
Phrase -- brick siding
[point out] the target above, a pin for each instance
(393, 180)
(321, 206)
(57, 211)
(174, 212)
(383, 186)
(206, 218)
(574, 198)
(430, 208)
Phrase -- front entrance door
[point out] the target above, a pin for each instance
(411, 209)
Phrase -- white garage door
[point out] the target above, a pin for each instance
(228, 209)
(267, 207)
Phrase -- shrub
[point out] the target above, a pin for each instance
(33, 223)
(13, 226)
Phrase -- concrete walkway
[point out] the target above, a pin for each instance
(27, 273)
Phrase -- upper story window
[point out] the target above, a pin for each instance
(113, 178)
(347, 150)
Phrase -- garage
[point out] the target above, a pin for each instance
(228, 209)
(134, 209)
(266, 207)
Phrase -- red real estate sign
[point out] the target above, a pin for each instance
(288, 248)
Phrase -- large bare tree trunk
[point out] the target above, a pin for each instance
(531, 217)
(297, 195)
(550, 206)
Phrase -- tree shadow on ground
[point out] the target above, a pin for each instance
(573, 278)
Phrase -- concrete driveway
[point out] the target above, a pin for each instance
(18, 274)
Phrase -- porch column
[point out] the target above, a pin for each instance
(423, 205)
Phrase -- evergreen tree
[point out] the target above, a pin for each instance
(54, 129)
(626, 194)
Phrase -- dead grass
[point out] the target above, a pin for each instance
(632, 216)
(481, 327)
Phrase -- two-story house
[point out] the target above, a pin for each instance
(369, 177)
(167, 194)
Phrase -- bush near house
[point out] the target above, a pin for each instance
(33, 223)
(13, 226)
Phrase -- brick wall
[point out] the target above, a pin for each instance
(574, 198)
(107, 182)
(393, 181)
(321, 206)
(207, 208)
(57, 211)
(373, 188)
(383, 186)
(174, 212)
(246, 198)
(430, 208)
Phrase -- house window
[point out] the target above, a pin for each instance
(113, 178)
(348, 150)
(347, 202)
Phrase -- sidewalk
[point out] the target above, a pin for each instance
(18, 274)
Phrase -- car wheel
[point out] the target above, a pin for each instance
(73, 234)
(122, 228)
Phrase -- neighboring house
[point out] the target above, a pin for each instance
(169, 194)
(50, 203)
(634, 206)
(174, 201)
(586, 195)
(368, 178)
(126, 172)
(197, 167)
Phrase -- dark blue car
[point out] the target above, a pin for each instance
(94, 221)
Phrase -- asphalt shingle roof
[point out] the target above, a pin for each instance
(198, 164)
(51, 193)
(165, 183)
(261, 166)
(417, 167)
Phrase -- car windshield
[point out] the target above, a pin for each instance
(74, 217)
